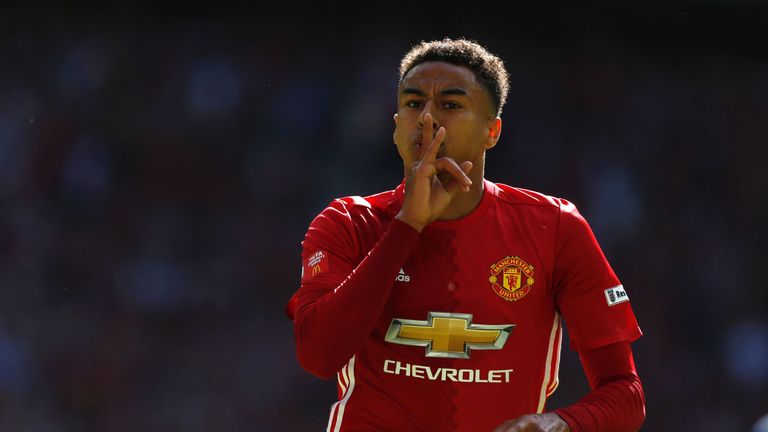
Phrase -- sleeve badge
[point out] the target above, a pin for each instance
(316, 264)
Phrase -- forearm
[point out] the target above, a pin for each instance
(617, 405)
(331, 329)
(617, 402)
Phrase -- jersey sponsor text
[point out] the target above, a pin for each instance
(396, 367)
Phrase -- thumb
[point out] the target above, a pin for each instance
(466, 166)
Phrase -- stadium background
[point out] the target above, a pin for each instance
(158, 170)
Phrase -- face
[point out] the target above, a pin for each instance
(456, 101)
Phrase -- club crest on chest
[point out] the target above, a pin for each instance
(511, 278)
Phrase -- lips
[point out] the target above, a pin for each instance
(417, 143)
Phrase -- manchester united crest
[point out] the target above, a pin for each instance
(511, 278)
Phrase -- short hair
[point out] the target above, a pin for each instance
(488, 68)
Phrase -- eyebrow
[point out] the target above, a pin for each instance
(453, 91)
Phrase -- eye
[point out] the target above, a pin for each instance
(451, 105)
(413, 103)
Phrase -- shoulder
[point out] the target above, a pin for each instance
(347, 220)
(562, 208)
(364, 204)
(354, 208)
(520, 196)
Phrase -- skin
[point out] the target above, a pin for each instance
(444, 124)
(548, 422)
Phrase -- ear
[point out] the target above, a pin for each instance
(494, 132)
(395, 132)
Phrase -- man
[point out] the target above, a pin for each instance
(437, 306)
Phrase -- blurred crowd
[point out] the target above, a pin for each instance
(157, 178)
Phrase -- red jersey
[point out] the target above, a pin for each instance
(457, 327)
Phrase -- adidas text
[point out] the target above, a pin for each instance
(402, 277)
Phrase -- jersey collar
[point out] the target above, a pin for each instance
(490, 190)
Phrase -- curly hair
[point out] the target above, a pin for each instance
(488, 68)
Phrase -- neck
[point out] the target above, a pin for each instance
(464, 202)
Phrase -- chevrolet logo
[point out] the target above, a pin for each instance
(448, 335)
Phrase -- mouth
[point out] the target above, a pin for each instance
(417, 143)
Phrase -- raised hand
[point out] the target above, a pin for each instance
(432, 183)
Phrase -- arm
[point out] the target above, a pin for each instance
(601, 331)
(615, 404)
(332, 319)
(331, 324)
(617, 401)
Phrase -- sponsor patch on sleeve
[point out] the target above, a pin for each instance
(616, 295)
(316, 264)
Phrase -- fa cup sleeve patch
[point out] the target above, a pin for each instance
(316, 264)
(616, 295)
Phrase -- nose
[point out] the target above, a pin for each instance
(422, 117)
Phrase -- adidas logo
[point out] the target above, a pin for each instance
(402, 277)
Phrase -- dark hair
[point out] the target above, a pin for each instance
(488, 68)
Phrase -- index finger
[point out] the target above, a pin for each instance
(430, 154)
(426, 135)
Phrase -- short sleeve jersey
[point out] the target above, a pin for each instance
(471, 333)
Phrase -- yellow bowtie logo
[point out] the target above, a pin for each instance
(448, 335)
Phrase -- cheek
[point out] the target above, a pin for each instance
(466, 144)
(478, 132)
(398, 134)
(401, 144)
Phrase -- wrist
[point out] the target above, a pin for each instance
(418, 226)
(560, 425)
(562, 421)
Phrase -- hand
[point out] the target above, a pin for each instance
(426, 195)
(549, 422)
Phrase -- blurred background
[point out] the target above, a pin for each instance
(159, 167)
